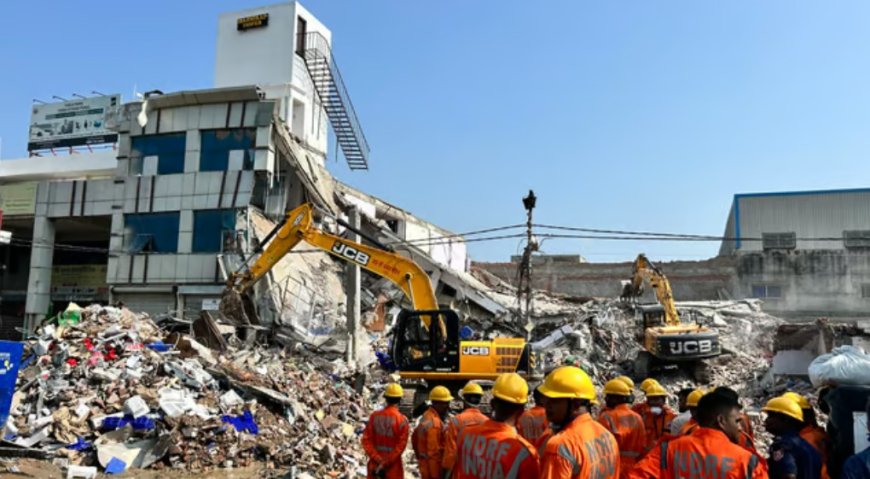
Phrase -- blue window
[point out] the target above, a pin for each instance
(211, 228)
(766, 291)
(168, 148)
(152, 232)
(216, 145)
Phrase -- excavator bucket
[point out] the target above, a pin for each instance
(238, 307)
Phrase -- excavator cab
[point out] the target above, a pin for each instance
(416, 348)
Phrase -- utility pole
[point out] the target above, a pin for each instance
(524, 285)
(352, 285)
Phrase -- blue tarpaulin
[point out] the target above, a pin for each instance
(10, 359)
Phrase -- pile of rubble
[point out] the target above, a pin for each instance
(107, 387)
(601, 335)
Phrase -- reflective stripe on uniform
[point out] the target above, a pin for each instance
(384, 448)
(515, 467)
(629, 453)
(753, 461)
(543, 445)
(423, 456)
(566, 454)
(664, 458)
(610, 423)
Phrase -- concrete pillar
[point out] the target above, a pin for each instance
(39, 280)
(353, 293)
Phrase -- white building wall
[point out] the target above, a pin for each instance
(266, 57)
(824, 215)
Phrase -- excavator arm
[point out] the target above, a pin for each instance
(644, 269)
(299, 226)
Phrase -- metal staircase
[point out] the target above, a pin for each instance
(315, 50)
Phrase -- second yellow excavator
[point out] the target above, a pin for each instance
(426, 346)
(665, 337)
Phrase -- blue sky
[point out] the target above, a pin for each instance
(619, 114)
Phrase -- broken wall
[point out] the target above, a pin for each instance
(715, 278)
(814, 282)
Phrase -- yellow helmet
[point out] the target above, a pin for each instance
(568, 382)
(785, 405)
(799, 399)
(472, 388)
(694, 397)
(617, 387)
(440, 394)
(655, 390)
(627, 380)
(646, 383)
(511, 387)
(394, 390)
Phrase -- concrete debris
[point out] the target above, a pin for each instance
(115, 390)
(603, 336)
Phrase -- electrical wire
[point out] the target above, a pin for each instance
(460, 235)
(622, 232)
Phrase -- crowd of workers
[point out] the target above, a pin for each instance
(708, 437)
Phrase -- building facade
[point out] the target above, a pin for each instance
(806, 252)
(196, 180)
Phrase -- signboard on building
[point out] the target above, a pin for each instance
(79, 282)
(73, 122)
(211, 304)
(18, 199)
(254, 21)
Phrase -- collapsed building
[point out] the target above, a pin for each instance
(196, 179)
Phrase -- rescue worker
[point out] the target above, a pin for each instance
(428, 439)
(858, 465)
(746, 441)
(791, 457)
(692, 403)
(576, 447)
(532, 423)
(685, 415)
(657, 416)
(708, 452)
(471, 395)
(385, 437)
(625, 424)
(642, 407)
(628, 382)
(494, 448)
(811, 432)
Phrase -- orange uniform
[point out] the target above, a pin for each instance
(627, 427)
(428, 443)
(640, 408)
(469, 417)
(817, 436)
(384, 439)
(747, 425)
(494, 449)
(583, 449)
(532, 425)
(703, 454)
(690, 426)
(657, 426)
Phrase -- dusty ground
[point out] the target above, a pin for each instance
(29, 468)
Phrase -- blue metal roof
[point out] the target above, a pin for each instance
(804, 193)
(735, 205)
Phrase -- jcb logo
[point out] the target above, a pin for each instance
(350, 253)
(475, 351)
(692, 346)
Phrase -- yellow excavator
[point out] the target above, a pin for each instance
(665, 337)
(425, 356)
